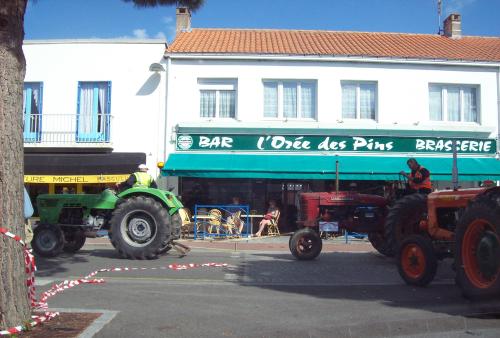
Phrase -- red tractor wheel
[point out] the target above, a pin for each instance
(477, 251)
(417, 263)
(403, 220)
(305, 244)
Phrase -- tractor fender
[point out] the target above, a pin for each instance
(166, 198)
(490, 190)
(483, 191)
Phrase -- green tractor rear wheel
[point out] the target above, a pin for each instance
(140, 228)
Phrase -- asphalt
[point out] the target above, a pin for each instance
(349, 291)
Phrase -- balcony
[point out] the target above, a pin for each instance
(67, 130)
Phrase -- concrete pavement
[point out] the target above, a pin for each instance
(264, 243)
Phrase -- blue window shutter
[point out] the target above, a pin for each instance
(40, 99)
(79, 92)
(108, 104)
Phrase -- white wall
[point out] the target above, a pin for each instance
(137, 95)
(402, 92)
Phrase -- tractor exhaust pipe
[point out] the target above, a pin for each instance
(454, 170)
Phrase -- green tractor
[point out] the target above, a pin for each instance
(142, 223)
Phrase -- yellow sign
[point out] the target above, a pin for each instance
(74, 179)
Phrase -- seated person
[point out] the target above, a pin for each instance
(271, 213)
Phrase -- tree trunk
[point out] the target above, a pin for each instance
(14, 304)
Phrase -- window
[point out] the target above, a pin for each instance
(32, 111)
(93, 111)
(290, 99)
(217, 98)
(359, 100)
(454, 103)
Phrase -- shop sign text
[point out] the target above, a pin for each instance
(327, 143)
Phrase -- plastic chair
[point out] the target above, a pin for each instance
(214, 220)
(272, 228)
(233, 222)
(187, 225)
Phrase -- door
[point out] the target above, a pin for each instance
(93, 111)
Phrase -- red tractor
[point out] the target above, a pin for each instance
(336, 212)
(419, 229)
(461, 224)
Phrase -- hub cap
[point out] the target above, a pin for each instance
(413, 261)
(47, 240)
(138, 228)
(305, 244)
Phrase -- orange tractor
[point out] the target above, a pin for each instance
(462, 224)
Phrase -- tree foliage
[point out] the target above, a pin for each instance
(191, 4)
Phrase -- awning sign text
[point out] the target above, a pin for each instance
(332, 143)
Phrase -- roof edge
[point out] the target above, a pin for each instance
(96, 41)
(323, 58)
(332, 31)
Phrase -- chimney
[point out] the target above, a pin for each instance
(182, 20)
(453, 26)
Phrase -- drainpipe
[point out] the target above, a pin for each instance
(498, 112)
(165, 141)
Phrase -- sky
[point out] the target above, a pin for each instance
(117, 19)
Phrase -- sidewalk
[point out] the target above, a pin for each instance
(264, 243)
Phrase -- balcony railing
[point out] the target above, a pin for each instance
(70, 129)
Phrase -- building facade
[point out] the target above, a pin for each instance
(93, 110)
(265, 114)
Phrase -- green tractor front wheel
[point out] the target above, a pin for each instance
(48, 240)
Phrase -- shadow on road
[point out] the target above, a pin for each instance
(47, 267)
(359, 277)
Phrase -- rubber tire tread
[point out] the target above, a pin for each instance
(59, 245)
(431, 261)
(485, 207)
(409, 208)
(379, 242)
(316, 242)
(160, 215)
(76, 244)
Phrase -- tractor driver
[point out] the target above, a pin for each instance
(419, 180)
(140, 178)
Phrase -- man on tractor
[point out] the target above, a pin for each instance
(419, 179)
(140, 178)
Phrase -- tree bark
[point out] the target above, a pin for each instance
(14, 303)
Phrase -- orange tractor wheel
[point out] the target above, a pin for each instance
(477, 250)
(417, 263)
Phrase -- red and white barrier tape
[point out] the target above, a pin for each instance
(29, 261)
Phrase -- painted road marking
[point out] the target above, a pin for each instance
(43, 281)
(97, 325)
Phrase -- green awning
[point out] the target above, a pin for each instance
(279, 166)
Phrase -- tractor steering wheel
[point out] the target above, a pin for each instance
(403, 180)
(403, 185)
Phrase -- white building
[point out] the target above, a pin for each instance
(93, 111)
(266, 113)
